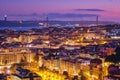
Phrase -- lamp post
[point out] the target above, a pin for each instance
(92, 77)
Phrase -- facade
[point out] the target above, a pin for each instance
(14, 55)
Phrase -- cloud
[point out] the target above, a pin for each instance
(25, 15)
(70, 15)
(95, 10)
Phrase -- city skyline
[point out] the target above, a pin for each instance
(107, 10)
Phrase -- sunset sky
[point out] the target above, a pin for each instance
(107, 10)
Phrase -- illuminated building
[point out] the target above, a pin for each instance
(14, 55)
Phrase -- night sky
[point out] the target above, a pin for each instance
(107, 10)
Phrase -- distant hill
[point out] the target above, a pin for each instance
(36, 23)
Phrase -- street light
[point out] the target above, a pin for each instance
(92, 77)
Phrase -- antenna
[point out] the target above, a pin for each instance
(47, 20)
(97, 20)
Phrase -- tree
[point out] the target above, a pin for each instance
(112, 58)
(75, 78)
(22, 63)
(82, 77)
(115, 58)
(23, 59)
(95, 62)
(65, 73)
(5, 62)
(117, 50)
(36, 57)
